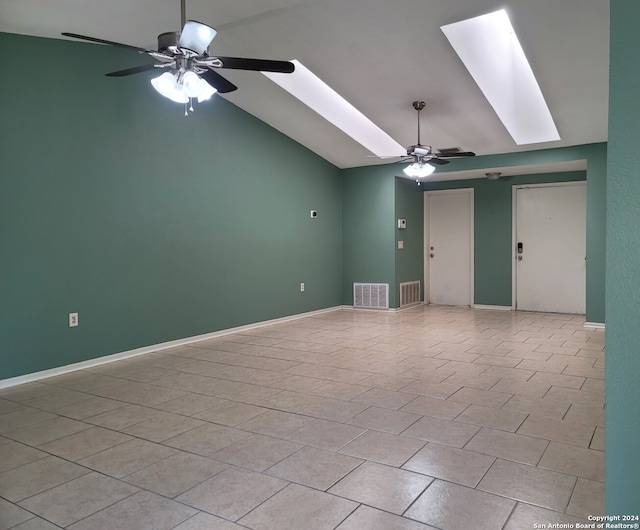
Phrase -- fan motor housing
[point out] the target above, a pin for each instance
(419, 150)
(168, 39)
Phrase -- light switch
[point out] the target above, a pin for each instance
(400, 245)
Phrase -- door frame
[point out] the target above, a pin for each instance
(514, 218)
(427, 269)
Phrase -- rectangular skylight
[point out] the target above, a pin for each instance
(316, 94)
(489, 48)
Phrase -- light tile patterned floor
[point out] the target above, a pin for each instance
(432, 417)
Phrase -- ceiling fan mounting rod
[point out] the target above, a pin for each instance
(183, 13)
(418, 105)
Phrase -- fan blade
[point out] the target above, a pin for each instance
(196, 36)
(386, 156)
(134, 70)
(260, 65)
(103, 41)
(218, 82)
(438, 161)
(456, 154)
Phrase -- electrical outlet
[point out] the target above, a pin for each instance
(302, 287)
(73, 320)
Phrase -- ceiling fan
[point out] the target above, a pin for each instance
(423, 156)
(189, 70)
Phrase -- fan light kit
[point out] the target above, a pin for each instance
(423, 157)
(190, 71)
(181, 87)
(418, 170)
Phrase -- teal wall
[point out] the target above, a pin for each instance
(410, 259)
(156, 227)
(493, 219)
(623, 266)
(368, 232)
(368, 246)
(595, 156)
(152, 226)
(373, 199)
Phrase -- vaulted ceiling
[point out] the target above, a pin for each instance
(379, 55)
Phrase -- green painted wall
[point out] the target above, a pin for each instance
(596, 157)
(152, 226)
(596, 232)
(493, 218)
(368, 247)
(410, 259)
(372, 201)
(623, 266)
(368, 231)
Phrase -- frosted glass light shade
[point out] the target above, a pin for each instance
(417, 170)
(167, 86)
(206, 91)
(191, 86)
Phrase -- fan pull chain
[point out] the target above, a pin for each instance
(191, 104)
(185, 109)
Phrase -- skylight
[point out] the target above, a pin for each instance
(316, 94)
(489, 48)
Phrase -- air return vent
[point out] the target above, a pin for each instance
(371, 295)
(409, 293)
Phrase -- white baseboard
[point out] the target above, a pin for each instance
(493, 307)
(83, 365)
(405, 308)
(385, 309)
(593, 325)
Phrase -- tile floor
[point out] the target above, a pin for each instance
(432, 417)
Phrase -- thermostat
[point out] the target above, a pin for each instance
(402, 223)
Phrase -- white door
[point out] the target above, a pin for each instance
(449, 246)
(550, 248)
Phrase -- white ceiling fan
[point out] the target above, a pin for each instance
(423, 156)
(189, 71)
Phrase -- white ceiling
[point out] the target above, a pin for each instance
(379, 55)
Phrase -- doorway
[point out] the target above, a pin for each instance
(449, 247)
(549, 241)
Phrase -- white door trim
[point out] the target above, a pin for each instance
(427, 272)
(514, 217)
